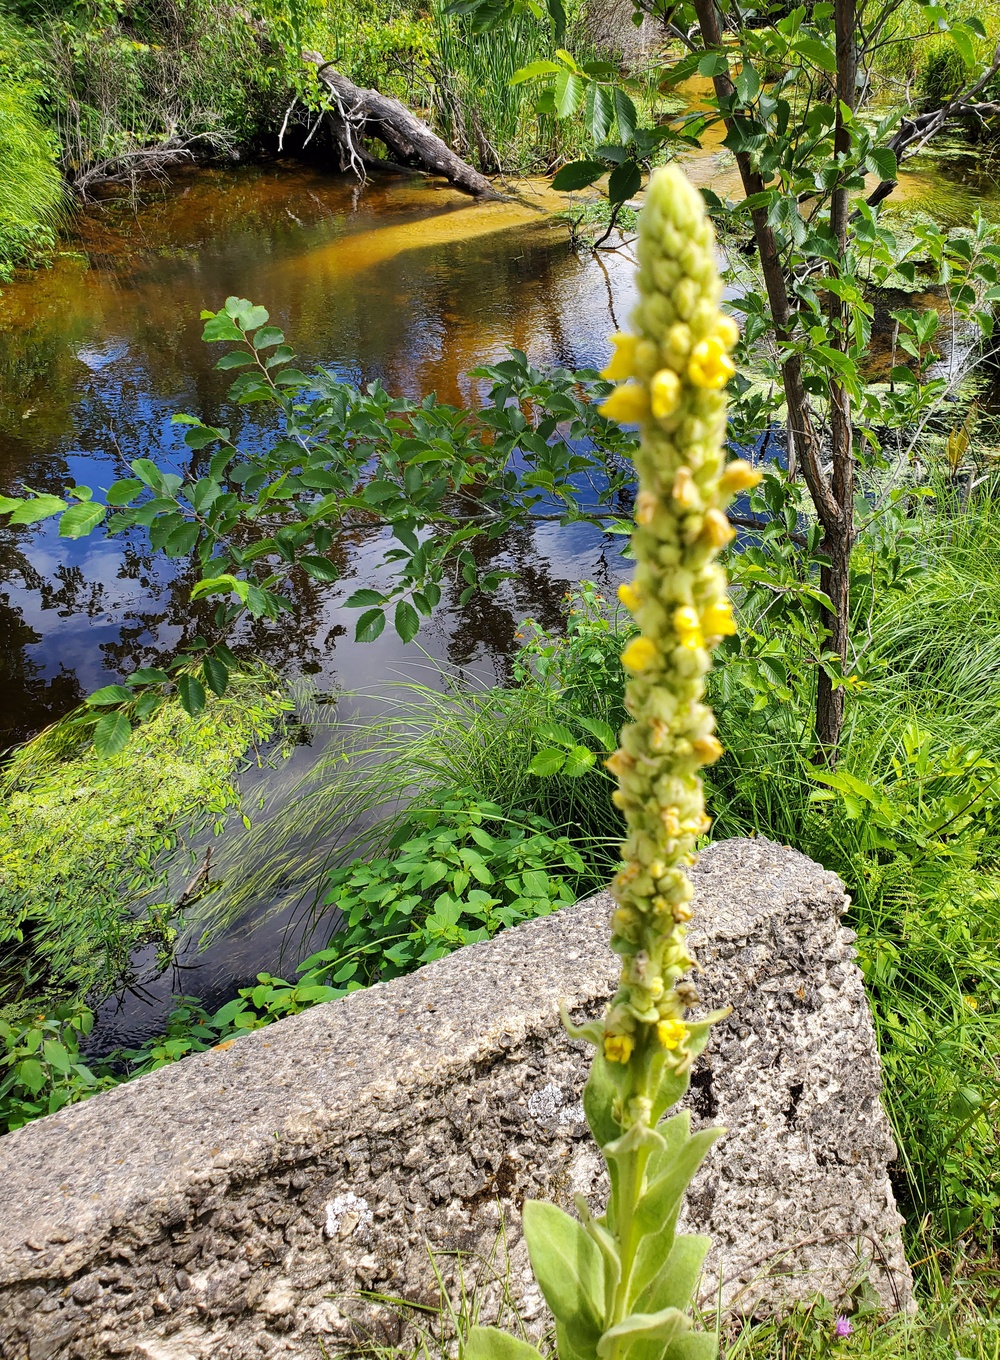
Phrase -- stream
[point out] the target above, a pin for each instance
(403, 280)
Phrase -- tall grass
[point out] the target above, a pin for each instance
(31, 194)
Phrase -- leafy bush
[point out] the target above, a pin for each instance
(455, 874)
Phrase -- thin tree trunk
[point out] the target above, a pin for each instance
(833, 506)
(839, 535)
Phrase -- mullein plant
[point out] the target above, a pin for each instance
(620, 1285)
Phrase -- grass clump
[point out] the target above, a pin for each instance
(82, 839)
(31, 192)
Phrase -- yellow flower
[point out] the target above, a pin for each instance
(628, 404)
(718, 620)
(738, 476)
(688, 627)
(629, 596)
(665, 393)
(622, 362)
(620, 763)
(646, 506)
(971, 1002)
(710, 366)
(618, 1047)
(716, 529)
(727, 330)
(707, 749)
(684, 490)
(671, 1033)
(640, 654)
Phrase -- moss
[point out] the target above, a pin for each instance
(84, 841)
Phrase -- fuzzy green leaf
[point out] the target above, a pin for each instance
(664, 1326)
(665, 1277)
(488, 1343)
(569, 1270)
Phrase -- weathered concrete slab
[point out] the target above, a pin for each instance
(224, 1207)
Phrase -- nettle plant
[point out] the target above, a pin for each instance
(436, 482)
(620, 1284)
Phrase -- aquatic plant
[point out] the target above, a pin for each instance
(83, 839)
(620, 1284)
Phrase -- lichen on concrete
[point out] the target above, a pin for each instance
(238, 1203)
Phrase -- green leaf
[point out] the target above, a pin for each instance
(40, 507)
(662, 1199)
(577, 175)
(665, 1326)
(533, 69)
(191, 693)
(547, 762)
(9, 503)
(713, 64)
(569, 90)
(882, 162)
(236, 358)
(406, 621)
(674, 1275)
(579, 760)
(603, 731)
(111, 735)
(31, 1073)
(147, 675)
(693, 1346)
(369, 626)
(625, 182)
(625, 114)
(216, 674)
(363, 597)
(599, 1096)
(488, 1343)
(124, 490)
(817, 52)
(569, 1269)
(109, 694)
(267, 337)
(56, 1056)
(181, 540)
(321, 568)
(148, 472)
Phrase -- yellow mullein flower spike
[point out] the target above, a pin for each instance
(710, 366)
(629, 596)
(664, 393)
(628, 404)
(727, 331)
(640, 654)
(678, 364)
(622, 362)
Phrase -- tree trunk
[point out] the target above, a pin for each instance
(359, 113)
(839, 535)
(833, 499)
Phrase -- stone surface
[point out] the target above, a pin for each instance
(237, 1204)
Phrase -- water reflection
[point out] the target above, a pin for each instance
(401, 281)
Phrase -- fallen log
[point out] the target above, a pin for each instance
(358, 113)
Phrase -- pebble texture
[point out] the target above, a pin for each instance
(239, 1203)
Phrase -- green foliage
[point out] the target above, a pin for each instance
(30, 185)
(45, 1070)
(455, 873)
(83, 835)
